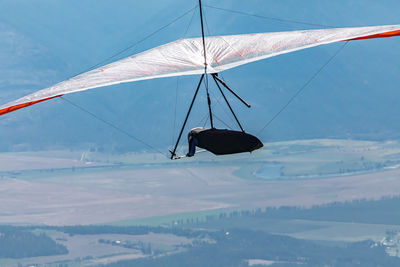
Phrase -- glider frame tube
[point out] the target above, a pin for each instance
(173, 153)
(227, 102)
(215, 75)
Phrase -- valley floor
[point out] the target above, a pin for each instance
(66, 188)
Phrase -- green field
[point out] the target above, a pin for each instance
(301, 159)
(91, 188)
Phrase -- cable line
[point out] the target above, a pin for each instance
(112, 57)
(266, 17)
(217, 99)
(302, 88)
(138, 42)
(224, 123)
(113, 126)
(175, 110)
(177, 81)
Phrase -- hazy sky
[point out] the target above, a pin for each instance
(45, 41)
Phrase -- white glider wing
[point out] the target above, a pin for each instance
(185, 57)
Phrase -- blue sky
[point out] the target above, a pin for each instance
(48, 41)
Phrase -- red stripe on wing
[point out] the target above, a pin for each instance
(379, 35)
(23, 105)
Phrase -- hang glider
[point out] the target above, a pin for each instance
(185, 57)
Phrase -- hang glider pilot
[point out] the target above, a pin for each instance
(222, 141)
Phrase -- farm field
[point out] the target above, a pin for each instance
(89, 250)
(61, 188)
(93, 188)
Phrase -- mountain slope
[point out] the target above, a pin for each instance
(43, 42)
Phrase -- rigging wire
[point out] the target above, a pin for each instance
(229, 127)
(208, 31)
(226, 112)
(205, 122)
(206, 81)
(175, 111)
(267, 17)
(112, 57)
(229, 115)
(138, 42)
(191, 20)
(178, 79)
(213, 95)
(112, 125)
(205, 117)
(205, 20)
(303, 87)
(205, 64)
